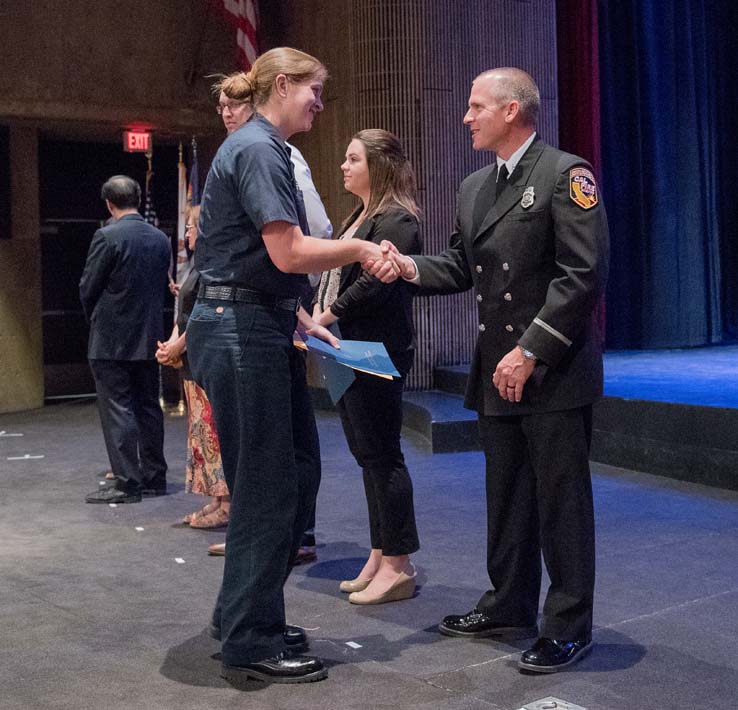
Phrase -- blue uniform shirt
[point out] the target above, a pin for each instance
(250, 183)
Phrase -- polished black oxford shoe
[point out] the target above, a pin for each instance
(295, 637)
(476, 625)
(550, 655)
(111, 494)
(285, 667)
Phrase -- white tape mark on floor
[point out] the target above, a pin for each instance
(353, 644)
(25, 457)
(7, 433)
(179, 560)
(138, 529)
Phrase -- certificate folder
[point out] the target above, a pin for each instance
(362, 355)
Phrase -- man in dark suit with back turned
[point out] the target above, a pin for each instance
(531, 239)
(122, 292)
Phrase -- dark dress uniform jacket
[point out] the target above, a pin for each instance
(123, 288)
(371, 310)
(537, 273)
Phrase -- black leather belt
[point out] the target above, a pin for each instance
(247, 295)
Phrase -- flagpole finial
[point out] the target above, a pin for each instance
(180, 151)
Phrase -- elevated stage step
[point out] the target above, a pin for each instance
(672, 413)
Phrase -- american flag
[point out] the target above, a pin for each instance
(149, 211)
(193, 190)
(244, 15)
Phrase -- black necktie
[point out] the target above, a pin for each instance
(501, 180)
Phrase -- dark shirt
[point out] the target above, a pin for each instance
(250, 183)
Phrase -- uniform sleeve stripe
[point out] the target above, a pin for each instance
(553, 331)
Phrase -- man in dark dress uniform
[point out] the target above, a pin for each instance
(531, 239)
(122, 292)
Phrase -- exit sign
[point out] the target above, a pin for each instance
(136, 141)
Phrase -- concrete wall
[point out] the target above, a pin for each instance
(21, 347)
(107, 63)
(83, 70)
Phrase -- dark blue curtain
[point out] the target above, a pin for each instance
(669, 90)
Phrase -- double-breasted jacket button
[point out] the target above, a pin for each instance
(479, 298)
(508, 296)
(479, 268)
(506, 267)
(509, 328)
(482, 328)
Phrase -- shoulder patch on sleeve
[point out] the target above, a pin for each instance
(583, 188)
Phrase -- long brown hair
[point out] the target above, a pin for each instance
(391, 176)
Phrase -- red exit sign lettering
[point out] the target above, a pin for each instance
(136, 141)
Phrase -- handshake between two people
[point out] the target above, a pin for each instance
(390, 265)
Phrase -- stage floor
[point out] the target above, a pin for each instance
(706, 377)
(97, 612)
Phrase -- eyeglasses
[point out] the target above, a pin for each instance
(231, 106)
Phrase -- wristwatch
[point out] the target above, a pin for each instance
(527, 354)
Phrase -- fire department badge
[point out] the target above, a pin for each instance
(583, 188)
(529, 196)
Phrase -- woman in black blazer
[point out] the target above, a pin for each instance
(377, 171)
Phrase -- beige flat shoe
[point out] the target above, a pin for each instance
(217, 550)
(354, 585)
(402, 588)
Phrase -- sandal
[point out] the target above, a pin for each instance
(217, 519)
(205, 510)
(217, 549)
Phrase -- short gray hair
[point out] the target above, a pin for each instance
(513, 84)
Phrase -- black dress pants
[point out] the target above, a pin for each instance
(371, 414)
(132, 421)
(539, 500)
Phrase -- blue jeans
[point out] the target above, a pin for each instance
(242, 355)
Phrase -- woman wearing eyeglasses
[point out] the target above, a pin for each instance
(233, 92)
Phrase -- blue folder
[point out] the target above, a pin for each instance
(362, 355)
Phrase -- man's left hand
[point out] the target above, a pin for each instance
(511, 374)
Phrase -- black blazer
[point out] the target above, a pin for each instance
(537, 265)
(370, 310)
(123, 287)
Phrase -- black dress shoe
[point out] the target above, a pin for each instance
(111, 494)
(285, 667)
(476, 625)
(295, 637)
(550, 655)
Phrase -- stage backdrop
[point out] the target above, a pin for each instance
(669, 80)
(407, 66)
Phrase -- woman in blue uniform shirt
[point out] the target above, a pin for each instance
(252, 256)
